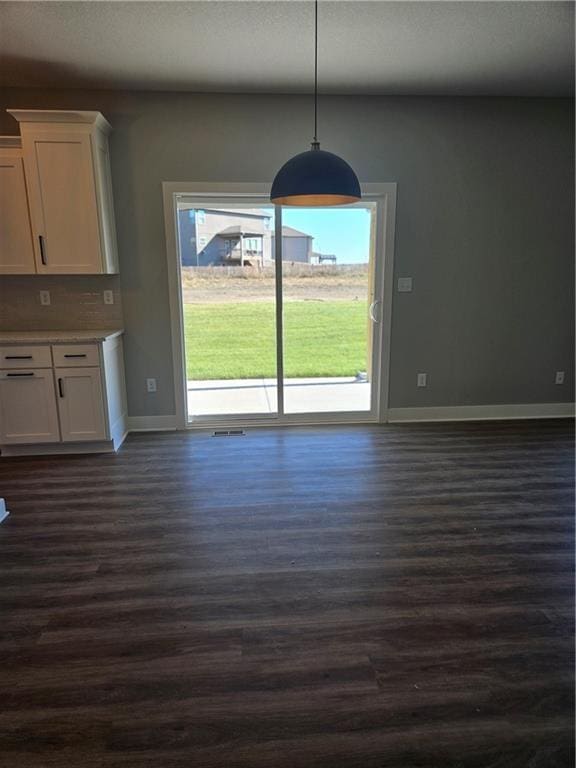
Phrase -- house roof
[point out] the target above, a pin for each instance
(244, 229)
(291, 232)
(249, 213)
(239, 229)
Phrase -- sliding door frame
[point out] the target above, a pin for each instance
(384, 195)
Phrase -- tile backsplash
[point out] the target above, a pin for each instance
(76, 302)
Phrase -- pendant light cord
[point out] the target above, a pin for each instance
(315, 71)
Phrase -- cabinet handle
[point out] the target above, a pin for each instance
(60, 388)
(42, 252)
(21, 374)
(75, 355)
(17, 357)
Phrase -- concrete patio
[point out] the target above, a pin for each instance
(258, 396)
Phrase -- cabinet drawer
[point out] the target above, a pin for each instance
(25, 357)
(70, 355)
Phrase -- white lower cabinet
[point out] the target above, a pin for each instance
(28, 411)
(74, 394)
(80, 404)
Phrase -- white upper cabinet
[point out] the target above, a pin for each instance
(67, 167)
(63, 196)
(16, 247)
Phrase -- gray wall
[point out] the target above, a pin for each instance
(484, 224)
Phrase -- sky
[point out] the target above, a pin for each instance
(341, 231)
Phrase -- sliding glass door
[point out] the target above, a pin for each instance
(280, 311)
(228, 279)
(326, 281)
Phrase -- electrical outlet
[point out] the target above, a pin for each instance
(45, 298)
(422, 380)
(404, 284)
(108, 297)
(151, 385)
(559, 377)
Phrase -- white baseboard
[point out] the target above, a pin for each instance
(151, 423)
(483, 412)
(58, 449)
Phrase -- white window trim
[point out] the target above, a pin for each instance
(384, 194)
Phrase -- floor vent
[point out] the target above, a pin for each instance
(228, 433)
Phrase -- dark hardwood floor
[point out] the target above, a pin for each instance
(395, 597)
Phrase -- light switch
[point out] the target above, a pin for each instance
(422, 379)
(404, 284)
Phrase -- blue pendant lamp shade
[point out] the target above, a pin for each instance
(315, 177)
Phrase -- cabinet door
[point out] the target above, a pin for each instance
(80, 404)
(16, 245)
(60, 174)
(28, 407)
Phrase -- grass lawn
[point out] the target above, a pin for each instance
(236, 341)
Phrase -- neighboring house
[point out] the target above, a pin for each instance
(296, 245)
(221, 236)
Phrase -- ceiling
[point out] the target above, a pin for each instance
(439, 48)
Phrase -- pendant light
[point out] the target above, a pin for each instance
(315, 177)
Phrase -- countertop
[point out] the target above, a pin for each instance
(58, 337)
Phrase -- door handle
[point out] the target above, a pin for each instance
(20, 374)
(372, 311)
(60, 388)
(42, 251)
(84, 355)
(17, 357)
